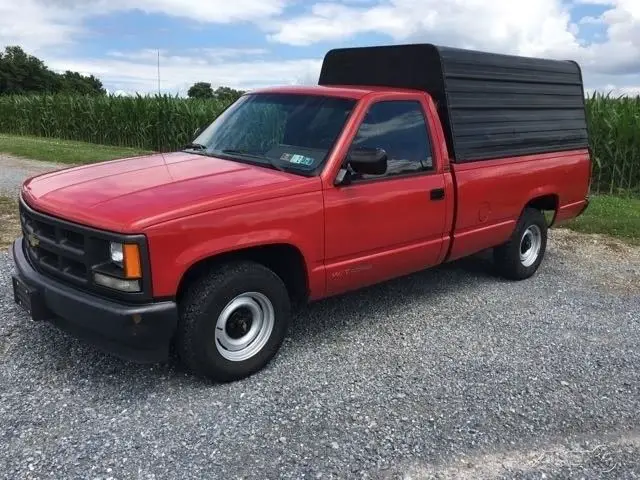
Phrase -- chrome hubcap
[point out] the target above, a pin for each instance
(530, 245)
(244, 326)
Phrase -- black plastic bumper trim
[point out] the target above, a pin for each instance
(137, 332)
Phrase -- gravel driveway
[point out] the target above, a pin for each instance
(16, 170)
(450, 373)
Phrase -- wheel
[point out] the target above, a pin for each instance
(233, 321)
(521, 256)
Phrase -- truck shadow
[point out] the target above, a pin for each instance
(393, 295)
(67, 355)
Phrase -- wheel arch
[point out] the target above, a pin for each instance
(284, 259)
(545, 202)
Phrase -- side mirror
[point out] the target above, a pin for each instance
(371, 161)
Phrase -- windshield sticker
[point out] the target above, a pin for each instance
(297, 159)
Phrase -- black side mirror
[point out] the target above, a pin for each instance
(370, 161)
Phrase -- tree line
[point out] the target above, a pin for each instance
(22, 73)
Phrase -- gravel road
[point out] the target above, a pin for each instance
(450, 373)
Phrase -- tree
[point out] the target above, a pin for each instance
(21, 73)
(73, 82)
(200, 90)
(227, 95)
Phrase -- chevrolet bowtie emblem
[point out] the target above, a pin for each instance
(33, 240)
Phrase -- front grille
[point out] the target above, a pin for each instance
(72, 253)
(59, 248)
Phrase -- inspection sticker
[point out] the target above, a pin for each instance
(297, 159)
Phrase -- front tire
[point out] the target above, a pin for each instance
(233, 321)
(521, 256)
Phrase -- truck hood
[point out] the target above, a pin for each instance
(130, 194)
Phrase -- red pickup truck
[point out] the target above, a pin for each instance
(401, 158)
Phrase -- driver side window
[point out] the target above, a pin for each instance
(398, 127)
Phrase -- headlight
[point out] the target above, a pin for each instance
(117, 253)
(126, 256)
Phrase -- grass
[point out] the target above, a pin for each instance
(615, 216)
(62, 151)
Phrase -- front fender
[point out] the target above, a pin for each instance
(177, 245)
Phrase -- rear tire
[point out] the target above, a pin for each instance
(520, 257)
(233, 321)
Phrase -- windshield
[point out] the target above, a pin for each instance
(286, 131)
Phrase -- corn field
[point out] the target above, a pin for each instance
(153, 123)
(614, 131)
(166, 123)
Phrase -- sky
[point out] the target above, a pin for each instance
(248, 44)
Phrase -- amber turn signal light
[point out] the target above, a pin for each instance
(132, 265)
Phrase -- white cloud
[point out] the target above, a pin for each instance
(541, 27)
(593, 2)
(615, 91)
(590, 21)
(507, 25)
(41, 27)
(210, 11)
(619, 52)
(138, 71)
(204, 56)
(36, 24)
(28, 24)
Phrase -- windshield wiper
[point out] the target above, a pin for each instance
(247, 153)
(194, 146)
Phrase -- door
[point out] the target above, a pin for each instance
(382, 226)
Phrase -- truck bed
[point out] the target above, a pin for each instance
(491, 194)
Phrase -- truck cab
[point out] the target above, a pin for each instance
(295, 194)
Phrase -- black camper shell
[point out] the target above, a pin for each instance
(490, 105)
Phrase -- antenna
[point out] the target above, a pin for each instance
(160, 106)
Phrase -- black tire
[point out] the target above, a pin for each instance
(201, 306)
(507, 257)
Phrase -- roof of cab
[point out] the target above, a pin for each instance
(354, 92)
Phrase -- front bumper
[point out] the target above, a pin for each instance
(138, 332)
